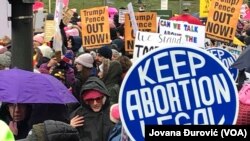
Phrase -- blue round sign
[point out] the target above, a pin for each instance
(177, 85)
(226, 58)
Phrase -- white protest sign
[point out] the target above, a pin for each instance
(38, 20)
(132, 18)
(146, 41)
(122, 13)
(164, 4)
(5, 12)
(193, 34)
(57, 42)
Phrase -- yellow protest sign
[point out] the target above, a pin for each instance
(204, 7)
(95, 26)
(146, 22)
(49, 30)
(222, 20)
(236, 41)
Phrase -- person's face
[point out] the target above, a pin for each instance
(79, 67)
(36, 44)
(95, 104)
(17, 111)
(69, 43)
(99, 58)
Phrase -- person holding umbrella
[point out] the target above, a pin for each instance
(17, 117)
(20, 87)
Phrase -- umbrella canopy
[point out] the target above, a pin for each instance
(242, 61)
(187, 18)
(20, 86)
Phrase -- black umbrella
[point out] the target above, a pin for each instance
(243, 61)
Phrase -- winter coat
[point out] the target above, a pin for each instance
(97, 125)
(112, 80)
(76, 43)
(116, 133)
(52, 130)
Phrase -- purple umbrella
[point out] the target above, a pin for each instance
(20, 86)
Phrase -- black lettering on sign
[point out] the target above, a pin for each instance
(130, 44)
(222, 30)
(95, 28)
(222, 17)
(95, 39)
(132, 34)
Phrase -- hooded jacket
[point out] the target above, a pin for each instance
(97, 125)
(112, 80)
(76, 43)
(52, 130)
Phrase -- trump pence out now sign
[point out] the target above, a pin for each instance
(177, 85)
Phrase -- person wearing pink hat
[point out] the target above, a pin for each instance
(38, 40)
(91, 119)
(118, 133)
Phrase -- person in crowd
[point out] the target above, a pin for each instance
(92, 118)
(103, 52)
(42, 112)
(64, 72)
(120, 45)
(115, 134)
(187, 17)
(74, 43)
(120, 31)
(115, 54)
(5, 58)
(46, 53)
(118, 133)
(38, 40)
(17, 117)
(111, 74)
(126, 64)
(52, 130)
(84, 65)
(47, 67)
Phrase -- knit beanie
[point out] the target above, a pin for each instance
(119, 43)
(2, 49)
(91, 94)
(114, 113)
(46, 51)
(86, 60)
(5, 59)
(72, 32)
(68, 56)
(39, 38)
(105, 51)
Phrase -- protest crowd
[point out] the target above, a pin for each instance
(91, 63)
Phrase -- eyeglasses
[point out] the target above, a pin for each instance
(98, 100)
